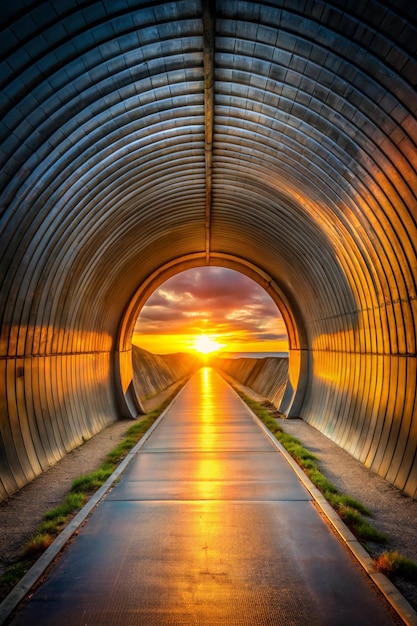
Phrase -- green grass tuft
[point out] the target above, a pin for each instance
(14, 573)
(52, 526)
(88, 483)
(341, 499)
(72, 502)
(38, 544)
(395, 563)
(360, 526)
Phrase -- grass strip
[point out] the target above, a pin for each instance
(82, 489)
(349, 509)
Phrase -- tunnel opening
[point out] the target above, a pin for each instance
(143, 329)
(216, 316)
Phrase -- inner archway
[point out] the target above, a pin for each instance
(216, 316)
(291, 328)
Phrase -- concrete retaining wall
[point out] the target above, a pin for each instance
(153, 373)
(267, 376)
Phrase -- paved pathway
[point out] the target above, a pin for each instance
(207, 526)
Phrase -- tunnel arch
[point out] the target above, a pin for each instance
(297, 375)
(135, 136)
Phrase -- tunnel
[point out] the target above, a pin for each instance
(139, 139)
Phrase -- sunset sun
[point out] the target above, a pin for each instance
(206, 344)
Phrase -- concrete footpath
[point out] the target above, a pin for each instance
(207, 525)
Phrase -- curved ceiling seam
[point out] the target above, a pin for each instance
(354, 281)
(82, 45)
(89, 110)
(398, 181)
(340, 77)
(52, 306)
(74, 127)
(341, 216)
(359, 146)
(322, 39)
(49, 189)
(332, 201)
(270, 138)
(269, 109)
(109, 155)
(119, 195)
(35, 270)
(236, 200)
(360, 180)
(116, 235)
(345, 253)
(275, 149)
(272, 208)
(271, 192)
(391, 236)
(50, 217)
(131, 73)
(121, 261)
(363, 301)
(324, 281)
(346, 12)
(44, 91)
(127, 74)
(360, 130)
(325, 288)
(380, 256)
(120, 184)
(386, 26)
(327, 293)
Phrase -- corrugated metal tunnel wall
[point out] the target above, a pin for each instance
(141, 138)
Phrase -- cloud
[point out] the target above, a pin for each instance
(219, 300)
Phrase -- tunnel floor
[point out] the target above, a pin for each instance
(207, 525)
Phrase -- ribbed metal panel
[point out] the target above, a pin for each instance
(141, 138)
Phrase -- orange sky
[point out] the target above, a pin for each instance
(221, 304)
